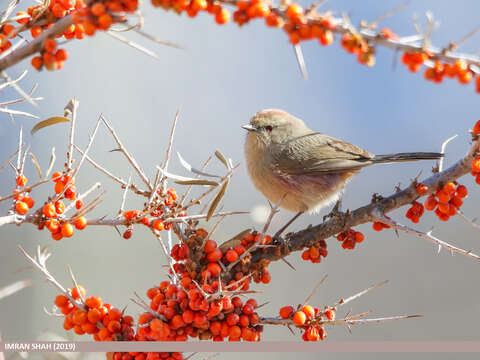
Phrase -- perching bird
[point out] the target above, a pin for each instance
(306, 169)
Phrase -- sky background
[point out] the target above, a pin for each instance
(221, 78)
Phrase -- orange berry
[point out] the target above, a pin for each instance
(377, 226)
(104, 21)
(67, 229)
(309, 311)
(326, 38)
(476, 128)
(273, 20)
(80, 317)
(53, 225)
(61, 301)
(78, 204)
(421, 189)
(58, 10)
(431, 203)
(59, 207)
(462, 191)
(80, 223)
(158, 225)
(61, 55)
(286, 311)
(21, 180)
(8, 28)
(50, 45)
(57, 176)
(76, 293)
(24, 20)
(21, 207)
(294, 10)
(299, 318)
(37, 62)
(359, 237)
(98, 9)
(443, 196)
(49, 210)
(59, 185)
(449, 188)
(231, 255)
(222, 17)
(93, 302)
(330, 314)
(476, 164)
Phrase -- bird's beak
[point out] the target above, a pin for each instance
(249, 127)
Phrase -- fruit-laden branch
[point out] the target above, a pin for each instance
(372, 212)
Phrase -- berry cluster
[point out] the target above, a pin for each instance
(315, 252)
(446, 201)
(23, 202)
(101, 320)
(52, 211)
(309, 318)
(99, 15)
(136, 216)
(349, 238)
(193, 7)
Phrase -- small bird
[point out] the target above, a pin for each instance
(301, 169)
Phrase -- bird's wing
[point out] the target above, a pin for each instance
(317, 153)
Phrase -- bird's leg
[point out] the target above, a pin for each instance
(279, 232)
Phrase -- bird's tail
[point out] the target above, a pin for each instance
(400, 157)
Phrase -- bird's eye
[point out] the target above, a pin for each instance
(268, 128)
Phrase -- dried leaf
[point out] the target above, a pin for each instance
(236, 240)
(196, 182)
(50, 121)
(189, 167)
(222, 158)
(217, 199)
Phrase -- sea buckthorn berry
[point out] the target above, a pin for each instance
(377, 226)
(476, 164)
(61, 55)
(299, 318)
(210, 246)
(98, 9)
(77, 291)
(59, 207)
(214, 255)
(462, 191)
(29, 201)
(25, 19)
(222, 17)
(37, 62)
(422, 189)
(93, 302)
(21, 207)
(21, 180)
(50, 45)
(330, 314)
(231, 256)
(128, 215)
(80, 223)
(57, 176)
(430, 203)
(78, 204)
(61, 301)
(128, 233)
(49, 210)
(309, 311)
(59, 185)
(476, 127)
(286, 311)
(158, 225)
(449, 188)
(294, 11)
(53, 225)
(359, 237)
(67, 229)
